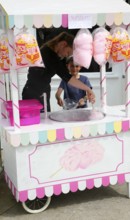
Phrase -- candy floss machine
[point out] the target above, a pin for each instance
(56, 156)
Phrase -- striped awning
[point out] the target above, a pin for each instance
(57, 21)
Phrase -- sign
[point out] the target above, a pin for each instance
(79, 21)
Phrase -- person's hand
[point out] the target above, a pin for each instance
(60, 102)
(81, 102)
(91, 96)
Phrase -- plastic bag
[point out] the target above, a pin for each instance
(102, 45)
(120, 45)
(27, 52)
(4, 54)
(83, 48)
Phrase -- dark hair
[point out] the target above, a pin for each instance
(63, 36)
(69, 59)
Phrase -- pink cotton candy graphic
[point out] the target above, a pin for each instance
(83, 48)
(82, 156)
(102, 45)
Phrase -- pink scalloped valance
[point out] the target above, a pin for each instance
(51, 190)
(65, 134)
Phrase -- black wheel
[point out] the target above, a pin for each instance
(37, 205)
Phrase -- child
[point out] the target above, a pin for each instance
(78, 95)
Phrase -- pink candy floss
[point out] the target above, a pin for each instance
(81, 156)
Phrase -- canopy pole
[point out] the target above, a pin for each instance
(127, 89)
(103, 91)
(2, 96)
(13, 79)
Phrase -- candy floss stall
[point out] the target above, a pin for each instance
(54, 157)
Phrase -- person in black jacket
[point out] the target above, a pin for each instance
(39, 78)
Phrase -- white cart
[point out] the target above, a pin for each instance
(55, 157)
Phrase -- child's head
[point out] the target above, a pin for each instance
(72, 67)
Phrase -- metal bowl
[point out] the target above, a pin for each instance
(77, 115)
(69, 104)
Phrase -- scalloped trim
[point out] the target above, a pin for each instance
(65, 188)
(62, 20)
(68, 133)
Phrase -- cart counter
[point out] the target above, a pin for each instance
(54, 157)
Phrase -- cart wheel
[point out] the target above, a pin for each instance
(37, 205)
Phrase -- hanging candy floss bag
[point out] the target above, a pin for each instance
(83, 48)
(4, 54)
(102, 44)
(27, 52)
(120, 45)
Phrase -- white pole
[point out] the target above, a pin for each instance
(45, 104)
(2, 85)
(8, 95)
(2, 96)
(127, 89)
(103, 91)
(13, 79)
